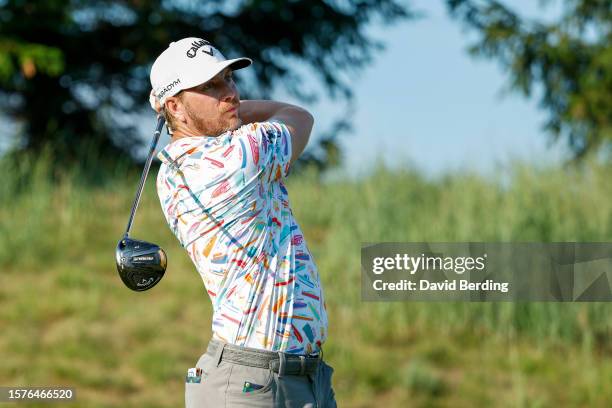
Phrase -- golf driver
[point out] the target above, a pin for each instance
(141, 264)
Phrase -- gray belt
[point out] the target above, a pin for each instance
(291, 364)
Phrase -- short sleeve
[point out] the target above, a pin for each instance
(270, 144)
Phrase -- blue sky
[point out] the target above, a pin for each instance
(426, 103)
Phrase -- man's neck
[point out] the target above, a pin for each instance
(176, 136)
(180, 134)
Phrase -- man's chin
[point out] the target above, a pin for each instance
(235, 124)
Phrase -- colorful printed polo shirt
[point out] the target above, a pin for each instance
(224, 199)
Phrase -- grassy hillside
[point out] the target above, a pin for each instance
(66, 318)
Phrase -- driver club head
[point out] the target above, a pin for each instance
(140, 264)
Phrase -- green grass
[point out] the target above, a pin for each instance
(66, 318)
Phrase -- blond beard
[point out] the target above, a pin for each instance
(212, 127)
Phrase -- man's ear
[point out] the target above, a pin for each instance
(175, 107)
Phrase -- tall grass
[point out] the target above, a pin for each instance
(67, 319)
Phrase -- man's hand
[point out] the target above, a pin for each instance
(298, 120)
(154, 102)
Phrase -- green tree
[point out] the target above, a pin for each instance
(74, 73)
(569, 60)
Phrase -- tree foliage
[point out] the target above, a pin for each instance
(569, 60)
(75, 73)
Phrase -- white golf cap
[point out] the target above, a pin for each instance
(187, 63)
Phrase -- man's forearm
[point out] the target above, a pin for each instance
(261, 110)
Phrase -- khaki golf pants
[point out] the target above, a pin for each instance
(230, 384)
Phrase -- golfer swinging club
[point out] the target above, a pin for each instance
(221, 189)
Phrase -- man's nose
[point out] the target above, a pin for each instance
(230, 93)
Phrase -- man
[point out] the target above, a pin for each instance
(221, 189)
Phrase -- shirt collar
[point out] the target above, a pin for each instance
(185, 146)
(179, 148)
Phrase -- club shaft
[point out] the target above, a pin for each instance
(160, 125)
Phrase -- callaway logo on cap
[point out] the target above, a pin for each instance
(187, 63)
